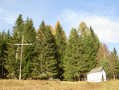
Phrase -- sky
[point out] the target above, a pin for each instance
(102, 15)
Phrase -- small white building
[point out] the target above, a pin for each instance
(96, 75)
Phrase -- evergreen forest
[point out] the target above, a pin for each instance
(50, 53)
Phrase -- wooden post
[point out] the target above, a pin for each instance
(21, 55)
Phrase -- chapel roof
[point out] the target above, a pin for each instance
(96, 70)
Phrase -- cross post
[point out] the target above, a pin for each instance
(22, 44)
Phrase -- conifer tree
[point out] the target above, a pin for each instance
(90, 46)
(116, 64)
(103, 62)
(11, 59)
(113, 63)
(72, 57)
(46, 63)
(0, 54)
(61, 43)
(18, 28)
(13, 52)
(3, 54)
(93, 46)
(117, 69)
(115, 52)
(29, 53)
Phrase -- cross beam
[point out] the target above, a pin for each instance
(22, 44)
(21, 54)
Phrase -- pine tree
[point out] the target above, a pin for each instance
(0, 53)
(3, 54)
(103, 62)
(18, 28)
(117, 69)
(116, 64)
(93, 46)
(3, 48)
(87, 62)
(61, 43)
(115, 52)
(112, 63)
(46, 64)
(90, 46)
(29, 53)
(13, 52)
(1, 58)
(72, 57)
(11, 59)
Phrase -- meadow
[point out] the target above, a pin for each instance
(57, 85)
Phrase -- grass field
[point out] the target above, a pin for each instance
(57, 85)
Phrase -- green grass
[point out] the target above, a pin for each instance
(57, 85)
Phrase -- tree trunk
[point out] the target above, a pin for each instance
(114, 75)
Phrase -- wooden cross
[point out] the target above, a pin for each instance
(22, 44)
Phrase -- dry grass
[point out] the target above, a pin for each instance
(57, 85)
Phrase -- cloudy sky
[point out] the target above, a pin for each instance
(102, 15)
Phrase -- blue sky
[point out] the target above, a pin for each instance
(102, 15)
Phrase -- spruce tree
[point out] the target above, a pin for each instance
(11, 59)
(3, 47)
(90, 46)
(61, 43)
(13, 52)
(72, 57)
(29, 53)
(103, 62)
(0, 54)
(117, 69)
(116, 64)
(93, 48)
(46, 63)
(18, 28)
(112, 63)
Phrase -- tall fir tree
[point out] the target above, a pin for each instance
(90, 46)
(1, 40)
(46, 63)
(61, 44)
(103, 62)
(72, 57)
(3, 47)
(93, 46)
(113, 63)
(117, 69)
(29, 53)
(116, 64)
(18, 28)
(13, 59)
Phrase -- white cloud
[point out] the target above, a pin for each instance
(7, 16)
(106, 29)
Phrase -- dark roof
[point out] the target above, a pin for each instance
(96, 70)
